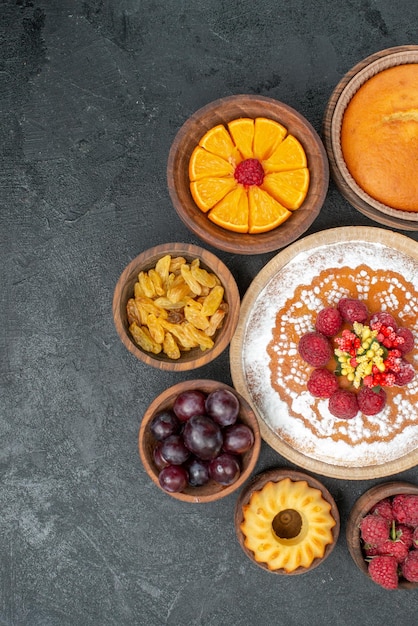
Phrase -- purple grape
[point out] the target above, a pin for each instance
(198, 472)
(164, 424)
(159, 461)
(189, 403)
(238, 438)
(222, 406)
(173, 478)
(203, 437)
(174, 451)
(224, 469)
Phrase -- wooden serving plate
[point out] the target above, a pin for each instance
(220, 112)
(146, 443)
(124, 290)
(331, 129)
(276, 475)
(256, 305)
(361, 509)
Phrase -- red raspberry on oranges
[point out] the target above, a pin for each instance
(371, 401)
(408, 337)
(322, 383)
(329, 321)
(343, 404)
(405, 374)
(383, 318)
(353, 310)
(315, 349)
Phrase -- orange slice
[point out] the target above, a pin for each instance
(218, 141)
(289, 188)
(203, 163)
(209, 191)
(265, 213)
(242, 132)
(289, 155)
(232, 211)
(268, 134)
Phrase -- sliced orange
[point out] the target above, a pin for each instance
(232, 211)
(289, 188)
(289, 155)
(218, 141)
(203, 163)
(265, 213)
(209, 191)
(268, 134)
(242, 132)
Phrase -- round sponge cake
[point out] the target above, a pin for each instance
(379, 137)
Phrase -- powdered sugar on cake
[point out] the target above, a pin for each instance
(276, 376)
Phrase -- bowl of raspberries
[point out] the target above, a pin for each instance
(382, 534)
(355, 355)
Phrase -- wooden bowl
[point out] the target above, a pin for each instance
(220, 112)
(146, 443)
(125, 287)
(334, 112)
(276, 475)
(361, 508)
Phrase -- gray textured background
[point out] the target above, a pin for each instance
(92, 94)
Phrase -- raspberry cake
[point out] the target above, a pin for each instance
(378, 267)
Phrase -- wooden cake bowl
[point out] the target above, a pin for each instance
(211, 491)
(334, 112)
(361, 508)
(223, 111)
(124, 290)
(275, 476)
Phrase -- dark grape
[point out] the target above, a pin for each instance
(222, 406)
(224, 469)
(198, 472)
(189, 403)
(174, 451)
(173, 478)
(203, 437)
(159, 461)
(238, 438)
(164, 424)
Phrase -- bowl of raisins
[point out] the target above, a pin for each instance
(199, 440)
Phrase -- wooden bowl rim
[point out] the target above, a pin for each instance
(244, 243)
(361, 507)
(200, 495)
(338, 102)
(276, 475)
(195, 358)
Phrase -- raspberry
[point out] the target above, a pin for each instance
(415, 537)
(405, 509)
(329, 321)
(353, 310)
(343, 404)
(322, 383)
(383, 570)
(370, 401)
(408, 337)
(249, 172)
(394, 548)
(383, 508)
(405, 374)
(315, 349)
(410, 567)
(406, 535)
(374, 529)
(382, 318)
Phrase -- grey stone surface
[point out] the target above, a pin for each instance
(92, 93)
